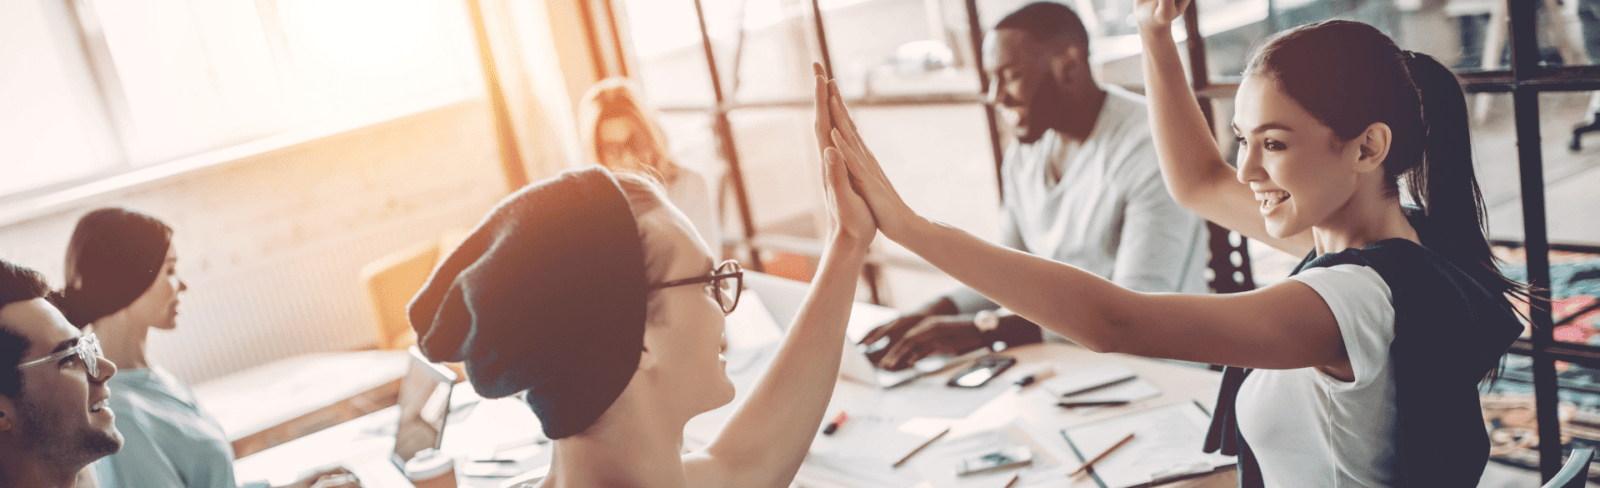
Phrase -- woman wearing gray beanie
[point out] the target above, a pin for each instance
(122, 280)
(593, 298)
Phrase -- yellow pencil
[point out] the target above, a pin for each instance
(921, 447)
(1102, 455)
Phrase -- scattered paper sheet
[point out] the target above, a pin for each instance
(1166, 443)
(1087, 380)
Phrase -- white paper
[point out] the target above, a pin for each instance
(1166, 440)
(1051, 457)
(1128, 391)
(1088, 379)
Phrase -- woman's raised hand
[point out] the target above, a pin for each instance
(1158, 13)
(842, 148)
(847, 212)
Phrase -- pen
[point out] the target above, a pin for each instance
(924, 445)
(837, 422)
(1102, 455)
(1092, 403)
(1099, 386)
(1013, 482)
(1035, 378)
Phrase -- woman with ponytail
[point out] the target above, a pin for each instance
(1362, 368)
(122, 281)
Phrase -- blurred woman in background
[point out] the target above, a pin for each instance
(121, 279)
(620, 133)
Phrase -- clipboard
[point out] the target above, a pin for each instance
(1166, 446)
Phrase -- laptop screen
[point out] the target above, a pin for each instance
(424, 404)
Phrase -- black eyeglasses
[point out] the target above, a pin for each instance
(727, 281)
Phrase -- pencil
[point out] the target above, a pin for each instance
(1013, 482)
(1102, 455)
(921, 447)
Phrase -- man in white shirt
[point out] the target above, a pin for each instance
(1081, 186)
(53, 418)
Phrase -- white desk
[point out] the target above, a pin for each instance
(505, 422)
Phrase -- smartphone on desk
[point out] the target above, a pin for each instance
(984, 369)
(1008, 458)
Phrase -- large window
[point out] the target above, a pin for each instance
(90, 89)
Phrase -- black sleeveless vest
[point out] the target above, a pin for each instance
(1449, 332)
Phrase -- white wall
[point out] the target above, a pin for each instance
(271, 244)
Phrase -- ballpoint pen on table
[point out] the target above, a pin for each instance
(1091, 403)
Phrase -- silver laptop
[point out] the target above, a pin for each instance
(424, 405)
(855, 365)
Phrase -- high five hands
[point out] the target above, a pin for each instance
(848, 214)
(860, 197)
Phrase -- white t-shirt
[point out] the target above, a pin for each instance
(1308, 429)
(693, 196)
(1102, 206)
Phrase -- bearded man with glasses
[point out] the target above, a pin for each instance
(53, 415)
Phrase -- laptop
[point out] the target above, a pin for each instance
(424, 405)
(855, 364)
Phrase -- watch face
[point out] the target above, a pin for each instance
(986, 320)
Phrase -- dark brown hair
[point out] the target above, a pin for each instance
(1349, 75)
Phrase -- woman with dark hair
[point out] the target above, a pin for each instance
(1362, 368)
(122, 281)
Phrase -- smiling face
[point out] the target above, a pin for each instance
(1022, 82)
(60, 413)
(1302, 174)
(158, 306)
(684, 325)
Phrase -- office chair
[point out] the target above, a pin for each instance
(1574, 474)
(390, 281)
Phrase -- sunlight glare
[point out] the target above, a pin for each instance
(366, 34)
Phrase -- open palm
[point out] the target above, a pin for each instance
(1158, 13)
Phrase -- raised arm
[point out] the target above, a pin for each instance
(767, 438)
(1287, 325)
(1193, 168)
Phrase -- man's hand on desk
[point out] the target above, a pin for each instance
(935, 334)
(332, 478)
(939, 328)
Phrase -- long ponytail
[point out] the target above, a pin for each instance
(1444, 182)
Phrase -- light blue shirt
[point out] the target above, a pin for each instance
(167, 439)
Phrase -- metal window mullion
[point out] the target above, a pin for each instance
(822, 38)
(616, 38)
(111, 97)
(730, 152)
(1525, 106)
(975, 34)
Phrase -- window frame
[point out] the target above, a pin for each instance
(90, 57)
